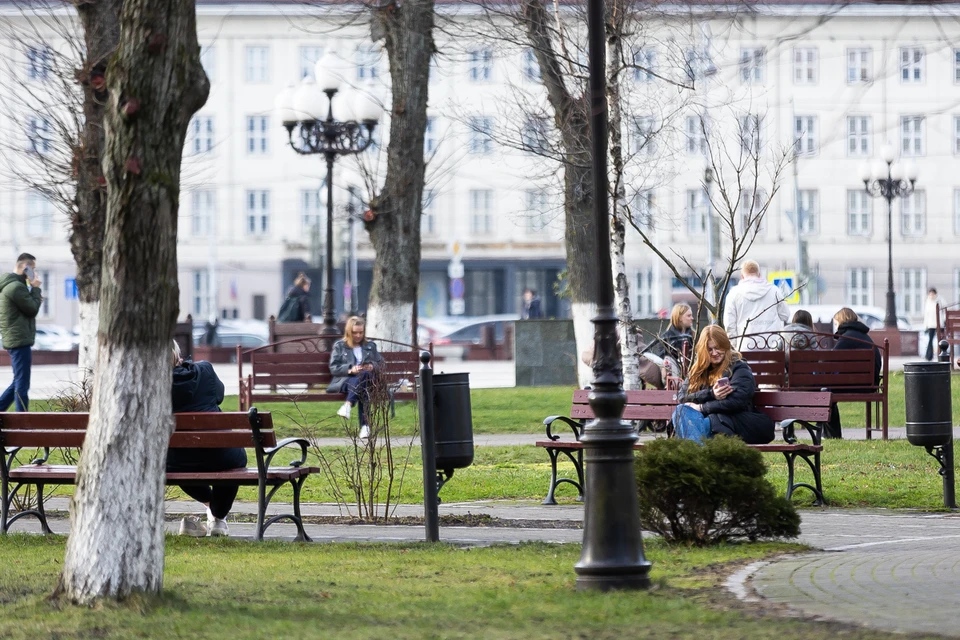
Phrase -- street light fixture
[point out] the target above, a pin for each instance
(886, 180)
(331, 122)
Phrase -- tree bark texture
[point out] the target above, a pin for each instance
(155, 84)
(407, 31)
(101, 34)
(571, 117)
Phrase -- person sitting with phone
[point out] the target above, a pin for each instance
(353, 364)
(717, 397)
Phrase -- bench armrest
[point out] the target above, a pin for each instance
(787, 428)
(11, 454)
(301, 442)
(574, 425)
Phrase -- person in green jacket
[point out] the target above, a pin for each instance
(18, 327)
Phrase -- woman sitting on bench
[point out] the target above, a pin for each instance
(353, 363)
(196, 387)
(718, 395)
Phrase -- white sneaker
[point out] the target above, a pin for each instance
(218, 527)
(191, 526)
(364, 432)
(344, 411)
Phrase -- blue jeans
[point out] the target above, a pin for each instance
(357, 389)
(690, 424)
(20, 358)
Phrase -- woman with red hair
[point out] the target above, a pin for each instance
(718, 395)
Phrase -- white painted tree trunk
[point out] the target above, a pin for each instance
(390, 321)
(116, 541)
(583, 331)
(89, 324)
(629, 341)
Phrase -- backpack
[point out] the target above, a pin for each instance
(290, 310)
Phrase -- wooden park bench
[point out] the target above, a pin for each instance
(788, 408)
(298, 370)
(252, 430)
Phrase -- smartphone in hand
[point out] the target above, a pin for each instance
(28, 271)
(723, 382)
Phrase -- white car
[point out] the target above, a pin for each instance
(870, 316)
(52, 337)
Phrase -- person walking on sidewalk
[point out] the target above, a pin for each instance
(18, 327)
(753, 306)
(930, 307)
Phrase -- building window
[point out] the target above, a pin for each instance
(956, 65)
(749, 132)
(697, 63)
(481, 211)
(201, 134)
(531, 68)
(751, 65)
(956, 211)
(913, 213)
(911, 135)
(258, 212)
(311, 210)
(642, 140)
(956, 135)
(805, 135)
(481, 65)
(533, 136)
(859, 63)
(697, 208)
(809, 205)
(696, 137)
(308, 61)
(645, 293)
(39, 135)
(368, 58)
(911, 64)
(644, 65)
(39, 62)
(806, 65)
(208, 59)
(257, 69)
(914, 288)
(860, 287)
(859, 138)
(751, 212)
(203, 208)
(201, 293)
(859, 213)
(428, 218)
(481, 135)
(429, 136)
(538, 210)
(642, 205)
(257, 137)
(39, 217)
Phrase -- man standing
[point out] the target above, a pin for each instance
(531, 305)
(18, 327)
(931, 306)
(753, 306)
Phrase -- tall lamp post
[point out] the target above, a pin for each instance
(886, 180)
(711, 253)
(612, 554)
(316, 124)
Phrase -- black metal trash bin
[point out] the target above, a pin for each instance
(926, 387)
(453, 419)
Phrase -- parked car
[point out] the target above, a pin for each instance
(430, 329)
(870, 316)
(230, 333)
(52, 337)
(473, 331)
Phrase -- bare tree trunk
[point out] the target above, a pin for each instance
(573, 124)
(155, 84)
(101, 33)
(407, 31)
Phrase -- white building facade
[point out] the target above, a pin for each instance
(842, 80)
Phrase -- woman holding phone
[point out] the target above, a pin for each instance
(718, 395)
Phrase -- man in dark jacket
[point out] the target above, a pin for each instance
(851, 334)
(18, 327)
(196, 388)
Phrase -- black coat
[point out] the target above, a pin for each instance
(670, 343)
(853, 335)
(196, 387)
(734, 415)
(342, 359)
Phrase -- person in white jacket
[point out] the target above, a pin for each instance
(930, 324)
(753, 306)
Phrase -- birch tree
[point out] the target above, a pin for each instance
(155, 84)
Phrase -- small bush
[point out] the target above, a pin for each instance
(704, 494)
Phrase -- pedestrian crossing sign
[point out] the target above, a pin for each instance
(786, 282)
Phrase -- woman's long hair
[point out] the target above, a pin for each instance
(352, 322)
(703, 373)
(677, 313)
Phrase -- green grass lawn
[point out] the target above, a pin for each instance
(235, 590)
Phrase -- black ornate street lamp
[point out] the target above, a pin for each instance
(612, 554)
(333, 128)
(886, 180)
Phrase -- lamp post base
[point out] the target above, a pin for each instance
(890, 319)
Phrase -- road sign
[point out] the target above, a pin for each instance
(458, 307)
(786, 282)
(70, 289)
(455, 269)
(456, 288)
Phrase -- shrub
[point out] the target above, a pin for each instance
(704, 494)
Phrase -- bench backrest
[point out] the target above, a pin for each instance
(650, 404)
(951, 326)
(768, 367)
(193, 430)
(844, 369)
(281, 369)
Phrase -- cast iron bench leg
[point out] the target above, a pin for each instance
(43, 514)
(297, 518)
(817, 490)
(553, 453)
